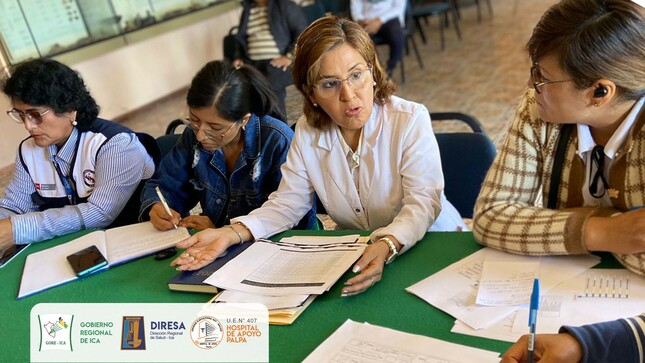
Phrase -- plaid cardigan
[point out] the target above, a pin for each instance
(509, 213)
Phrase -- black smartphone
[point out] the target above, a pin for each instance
(86, 261)
(10, 253)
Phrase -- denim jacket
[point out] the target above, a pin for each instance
(190, 174)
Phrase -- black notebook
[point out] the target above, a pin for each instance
(193, 281)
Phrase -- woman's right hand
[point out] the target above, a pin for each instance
(196, 222)
(204, 247)
(160, 218)
(622, 234)
(549, 348)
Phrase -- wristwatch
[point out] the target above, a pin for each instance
(393, 251)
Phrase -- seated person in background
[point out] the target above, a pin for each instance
(588, 76)
(267, 33)
(613, 341)
(74, 171)
(303, 3)
(229, 157)
(385, 19)
(371, 158)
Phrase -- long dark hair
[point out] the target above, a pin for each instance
(46, 82)
(233, 92)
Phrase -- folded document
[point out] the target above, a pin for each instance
(49, 268)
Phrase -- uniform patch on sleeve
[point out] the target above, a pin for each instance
(89, 177)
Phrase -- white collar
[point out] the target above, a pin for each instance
(586, 141)
(354, 155)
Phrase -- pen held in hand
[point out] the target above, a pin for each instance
(165, 205)
(533, 310)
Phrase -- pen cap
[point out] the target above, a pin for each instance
(535, 295)
(535, 302)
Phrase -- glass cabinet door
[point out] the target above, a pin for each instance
(44, 28)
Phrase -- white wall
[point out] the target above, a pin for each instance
(138, 74)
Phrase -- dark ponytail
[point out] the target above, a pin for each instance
(264, 101)
(232, 92)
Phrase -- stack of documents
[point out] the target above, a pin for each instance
(488, 293)
(286, 276)
(283, 310)
(355, 342)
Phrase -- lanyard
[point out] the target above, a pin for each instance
(68, 182)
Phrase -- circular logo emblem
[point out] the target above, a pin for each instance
(206, 332)
(88, 177)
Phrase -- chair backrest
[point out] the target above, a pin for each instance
(130, 213)
(336, 7)
(465, 160)
(313, 11)
(167, 141)
(230, 46)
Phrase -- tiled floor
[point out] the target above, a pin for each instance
(484, 74)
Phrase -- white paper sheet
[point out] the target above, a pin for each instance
(507, 283)
(271, 302)
(135, 240)
(454, 288)
(577, 302)
(501, 330)
(363, 343)
(267, 268)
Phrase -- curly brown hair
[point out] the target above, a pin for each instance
(327, 34)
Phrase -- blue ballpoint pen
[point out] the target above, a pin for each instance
(535, 302)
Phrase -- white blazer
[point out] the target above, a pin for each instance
(400, 179)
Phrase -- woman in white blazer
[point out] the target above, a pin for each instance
(370, 157)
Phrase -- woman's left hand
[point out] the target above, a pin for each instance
(203, 248)
(281, 62)
(196, 222)
(370, 266)
(6, 234)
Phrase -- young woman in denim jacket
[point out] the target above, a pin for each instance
(228, 159)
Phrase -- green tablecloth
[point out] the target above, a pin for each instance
(145, 280)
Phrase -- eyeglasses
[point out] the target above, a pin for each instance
(328, 88)
(538, 81)
(33, 116)
(208, 131)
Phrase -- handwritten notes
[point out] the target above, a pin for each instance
(506, 283)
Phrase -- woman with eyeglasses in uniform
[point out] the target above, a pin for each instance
(228, 158)
(74, 171)
(583, 117)
(370, 157)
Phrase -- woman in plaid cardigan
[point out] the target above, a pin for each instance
(588, 73)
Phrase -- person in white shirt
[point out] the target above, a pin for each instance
(371, 158)
(384, 19)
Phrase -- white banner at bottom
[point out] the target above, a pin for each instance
(149, 333)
